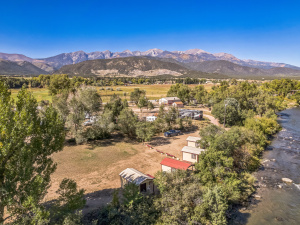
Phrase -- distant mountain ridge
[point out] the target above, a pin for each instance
(152, 66)
(126, 66)
(192, 55)
(19, 68)
(193, 59)
(229, 68)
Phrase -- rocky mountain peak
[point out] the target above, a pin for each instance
(195, 51)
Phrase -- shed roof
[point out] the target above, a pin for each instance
(178, 103)
(171, 98)
(175, 164)
(192, 150)
(194, 139)
(134, 176)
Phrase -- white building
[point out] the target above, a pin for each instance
(151, 118)
(144, 181)
(168, 100)
(191, 154)
(193, 141)
(170, 165)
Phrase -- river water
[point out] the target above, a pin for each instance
(277, 202)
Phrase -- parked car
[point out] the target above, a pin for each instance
(171, 133)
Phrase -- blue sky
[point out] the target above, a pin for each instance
(262, 30)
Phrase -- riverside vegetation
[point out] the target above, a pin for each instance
(222, 177)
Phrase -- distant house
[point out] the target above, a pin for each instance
(178, 104)
(151, 118)
(168, 100)
(171, 165)
(144, 181)
(191, 154)
(193, 141)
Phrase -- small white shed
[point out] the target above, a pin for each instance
(192, 141)
(144, 181)
(191, 154)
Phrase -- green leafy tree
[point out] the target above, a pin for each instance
(228, 112)
(69, 200)
(84, 101)
(136, 95)
(180, 193)
(115, 105)
(150, 106)
(213, 208)
(102, 127)
(143, 102)
(59, 83)
(27, 140)
(200, 94)
(127, 121)
(145, 131)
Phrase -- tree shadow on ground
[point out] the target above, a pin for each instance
(95, 201)
(111, 141)
(159, 141)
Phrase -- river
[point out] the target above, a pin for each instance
(277, 202)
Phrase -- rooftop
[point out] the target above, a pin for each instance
(175, 164)
(134, 176)
(172, 98)
(194, 139)
(178, 103)
(192, 150)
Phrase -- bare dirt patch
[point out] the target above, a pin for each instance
(96, 166)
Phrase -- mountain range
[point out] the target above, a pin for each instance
(193, 59)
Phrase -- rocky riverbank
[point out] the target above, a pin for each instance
(277, 196)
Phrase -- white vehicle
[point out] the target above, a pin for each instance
(150, 118)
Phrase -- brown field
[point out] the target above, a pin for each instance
(96, 166)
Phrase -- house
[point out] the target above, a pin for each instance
(191, 154)
(168, 100)
(151, 118)
(171, 165)
(178, 104)
(144, 181)
(193, 141)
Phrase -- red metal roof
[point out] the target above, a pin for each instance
(175, 164)
(150, 176)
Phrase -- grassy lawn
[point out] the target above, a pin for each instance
(152, 91)
(156, 91)
(39, 93)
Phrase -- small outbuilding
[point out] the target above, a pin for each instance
(193, 141)
(171, 165)
(144, 181)
(191, 154)
(168, 100)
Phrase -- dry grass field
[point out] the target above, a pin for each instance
(155, 91)
(96, 166)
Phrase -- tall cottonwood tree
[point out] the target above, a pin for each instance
(27, 140)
